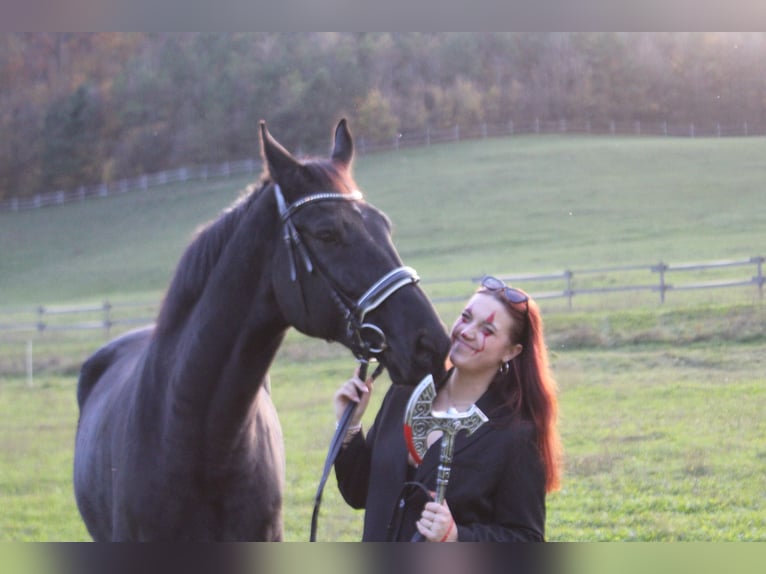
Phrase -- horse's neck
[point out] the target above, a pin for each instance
(213, 351)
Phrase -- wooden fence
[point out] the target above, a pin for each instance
(141, 183)
(426, 137)
(662, 278)
(105, 316)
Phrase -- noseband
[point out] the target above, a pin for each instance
(354, 311)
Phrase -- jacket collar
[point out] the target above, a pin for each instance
(491, 404)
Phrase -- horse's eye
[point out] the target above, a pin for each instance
(327, 236)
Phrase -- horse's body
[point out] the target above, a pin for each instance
(178, 437)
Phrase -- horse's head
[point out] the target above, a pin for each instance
(336, 272)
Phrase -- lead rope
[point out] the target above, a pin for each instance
(337, 442)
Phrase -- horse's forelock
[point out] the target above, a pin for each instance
(328, 175)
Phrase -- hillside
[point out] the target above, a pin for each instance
(497, 205)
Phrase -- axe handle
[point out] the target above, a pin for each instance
(442, 474)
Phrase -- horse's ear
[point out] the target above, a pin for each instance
(279, 161)
(343, 149)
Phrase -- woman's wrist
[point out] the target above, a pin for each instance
(449, 536)
(352, 431)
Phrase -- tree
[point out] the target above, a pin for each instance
(374, 119)
(72, 146)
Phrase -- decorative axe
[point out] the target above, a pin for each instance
(420, 420)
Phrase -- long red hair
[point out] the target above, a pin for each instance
(530, 386)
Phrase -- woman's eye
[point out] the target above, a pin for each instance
(465, 317)
(487, 331)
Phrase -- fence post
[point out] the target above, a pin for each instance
(661, 268)
(107, 317)
(40, 323)
(570, 292)
(759, 279)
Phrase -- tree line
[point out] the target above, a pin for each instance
(86, 108)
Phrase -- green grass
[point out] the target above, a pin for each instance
(36, 453)
(662, 443)
(661, 405)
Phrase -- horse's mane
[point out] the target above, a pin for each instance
(201, 255)
(205, 249)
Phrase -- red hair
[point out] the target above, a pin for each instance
(530, 385)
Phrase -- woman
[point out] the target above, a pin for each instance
(501, 473)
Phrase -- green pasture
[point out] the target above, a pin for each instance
(661, 405)
(663, 443)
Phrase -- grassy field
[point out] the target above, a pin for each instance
(663, 443)
(661, 406)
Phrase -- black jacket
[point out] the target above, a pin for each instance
(496, 490)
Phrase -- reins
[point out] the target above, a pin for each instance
(335, 444)
(354, 312)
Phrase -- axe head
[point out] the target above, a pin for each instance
(420, 419)
(417, 416)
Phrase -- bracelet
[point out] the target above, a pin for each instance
(446, 534)
(351, 433)
(351, 429)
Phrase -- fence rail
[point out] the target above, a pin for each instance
(573, 283)
(659, 285)
(402, 140)
(94, 316)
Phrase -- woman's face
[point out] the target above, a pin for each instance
(481, 335)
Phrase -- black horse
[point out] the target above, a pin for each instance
(178, 438)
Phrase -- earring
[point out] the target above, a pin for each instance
(505, 368)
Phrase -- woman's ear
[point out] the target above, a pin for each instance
(513, 352)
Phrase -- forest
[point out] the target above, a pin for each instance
(88, 108)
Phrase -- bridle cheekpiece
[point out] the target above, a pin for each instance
(354, 311)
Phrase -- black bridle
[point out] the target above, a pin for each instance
(354, 311)
(367, 340)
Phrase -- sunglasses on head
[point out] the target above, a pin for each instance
(511, 294)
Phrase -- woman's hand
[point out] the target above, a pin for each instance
(353, 390)
(436, 523)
